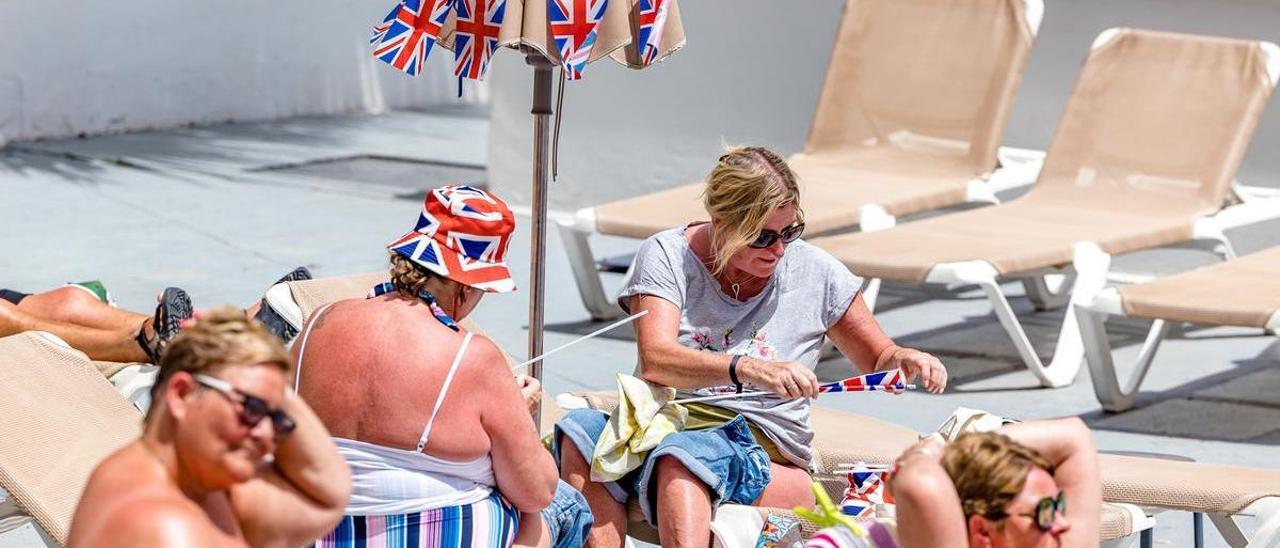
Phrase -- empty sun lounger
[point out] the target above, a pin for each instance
(909, 119)
(60, 418)
(880, 443)
(1122, 174)
(1242, 292)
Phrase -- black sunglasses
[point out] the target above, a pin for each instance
(768, 237)
(252, 408)
(1046, 509)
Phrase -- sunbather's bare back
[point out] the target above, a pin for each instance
(131, 501)
(358, 346)
(372, 370)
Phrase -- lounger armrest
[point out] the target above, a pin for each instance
(280, 299)
(582, 220)
(1257, 205)
(1107, 301)
(1019, 167)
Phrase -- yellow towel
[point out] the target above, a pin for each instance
(641, 420)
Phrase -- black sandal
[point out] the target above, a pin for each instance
(272, 320)
(173, 308)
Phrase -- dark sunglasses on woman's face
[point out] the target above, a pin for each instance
(252, 408)
(1046, 509)
(768, 237)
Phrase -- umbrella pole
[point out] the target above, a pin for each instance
(537, 272)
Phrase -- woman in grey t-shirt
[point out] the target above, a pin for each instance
(739, 301)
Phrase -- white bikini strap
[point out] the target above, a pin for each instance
(444, 389)
(302, 350)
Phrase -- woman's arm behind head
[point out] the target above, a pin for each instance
(928, 508)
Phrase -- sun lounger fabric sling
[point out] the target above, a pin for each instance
(61, 417)
(1148, 143)
(1190, 486)
(912, 109)
(1215, 294)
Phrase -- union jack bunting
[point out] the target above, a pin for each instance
(867, 488)
(881, 380)
(476, 36)
(573, 26)
(409, 33)
(653, 17)
(462, 233)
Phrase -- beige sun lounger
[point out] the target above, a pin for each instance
(909, 119)
(1122, 174)
(880, 443)
(61, 417)
(1243, 292)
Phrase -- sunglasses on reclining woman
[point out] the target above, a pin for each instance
(767, 237)
(1044, 514)
(252, 408)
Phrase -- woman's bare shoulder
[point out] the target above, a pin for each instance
(127, 504)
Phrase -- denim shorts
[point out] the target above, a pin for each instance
(568, 518)
(727, 459)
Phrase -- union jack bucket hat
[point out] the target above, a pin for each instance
(462, 234)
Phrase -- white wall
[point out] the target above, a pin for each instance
(94, 66)
(751, 74)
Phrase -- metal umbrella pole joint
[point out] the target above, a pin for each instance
(537, 273)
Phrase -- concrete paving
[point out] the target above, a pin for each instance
(222, 211)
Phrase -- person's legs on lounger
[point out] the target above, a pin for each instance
(80, 315)
(101, 331)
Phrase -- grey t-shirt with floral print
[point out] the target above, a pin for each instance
(809, 291)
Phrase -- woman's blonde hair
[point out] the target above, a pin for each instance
(222, 337)
(989, 470)
(745, 187)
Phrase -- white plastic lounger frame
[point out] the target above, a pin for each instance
(1093, 308)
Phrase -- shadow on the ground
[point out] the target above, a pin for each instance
(66, 167)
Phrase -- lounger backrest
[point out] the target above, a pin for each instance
(936, 76)
(60, 418)
(1158, 123)
(313, 294)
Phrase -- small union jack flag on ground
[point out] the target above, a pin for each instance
(404, 38)
(882, 380)
(573, 27)
(652, 18)
(867, 488)
(476, 36)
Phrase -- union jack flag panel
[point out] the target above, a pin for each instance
(573, 27)
(881, 380)
(653, 17)
(380, 29)
(476, 36)
(866, 489)
(409, 34)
